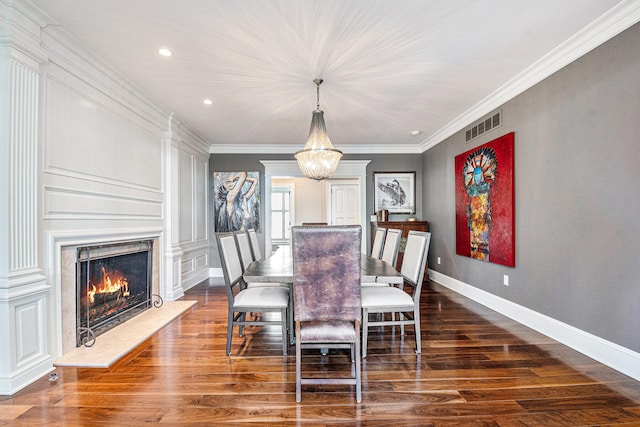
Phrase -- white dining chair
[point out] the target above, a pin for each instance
(255, 245)
(246, 257)
(391, 299)
(389, 252)
(244, 248)
(260, 299)
(391, 245)
(378, 241)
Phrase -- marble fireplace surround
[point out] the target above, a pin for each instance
(64, 248)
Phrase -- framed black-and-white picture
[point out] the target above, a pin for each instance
(395, 192)
(236, 201)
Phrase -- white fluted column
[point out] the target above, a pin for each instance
(23, 289)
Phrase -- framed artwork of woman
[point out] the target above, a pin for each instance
(236, 200)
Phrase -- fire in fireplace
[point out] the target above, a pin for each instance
(113, 284)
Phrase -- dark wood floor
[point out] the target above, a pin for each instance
(477, 368)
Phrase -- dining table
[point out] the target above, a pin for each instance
(278, 268)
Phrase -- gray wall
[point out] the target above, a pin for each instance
(251, 162)
(577, 168)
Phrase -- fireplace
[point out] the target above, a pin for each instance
(113, 284)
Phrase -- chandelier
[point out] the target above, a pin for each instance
(318, 159)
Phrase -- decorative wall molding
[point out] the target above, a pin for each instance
(85, 237)
(20, 38)
(613, 355)
(185, 138)
(291, 149)
(69, 203)
(289, 168)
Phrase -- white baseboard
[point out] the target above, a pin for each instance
(215, 272)
(613, 355)
(16, 381)
(190, 282)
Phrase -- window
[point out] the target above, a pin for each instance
(280, 215)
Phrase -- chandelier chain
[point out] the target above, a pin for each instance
(318, 82)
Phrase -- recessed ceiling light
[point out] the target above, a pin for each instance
(208, 101)
(416, 132)
(164, 52)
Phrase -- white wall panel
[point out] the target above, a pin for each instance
(202, 260)
(87, 135)
(186, 197)
(201, 194)
(195, 264)
(28, 320)
(64, 203)
(187, 266)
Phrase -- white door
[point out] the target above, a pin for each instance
(345, 202)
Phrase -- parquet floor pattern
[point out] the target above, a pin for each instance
(477, 368)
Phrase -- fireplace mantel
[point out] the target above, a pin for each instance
(63, 247)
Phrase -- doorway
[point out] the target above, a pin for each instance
(355, 170)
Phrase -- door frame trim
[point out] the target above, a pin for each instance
(356, 169)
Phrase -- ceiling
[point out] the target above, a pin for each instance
(389, 67)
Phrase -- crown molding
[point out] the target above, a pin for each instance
(290, 149)
(616, 20)
(178, 130)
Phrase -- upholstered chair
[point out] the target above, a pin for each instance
(327, 310)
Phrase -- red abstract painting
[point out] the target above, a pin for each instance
(485, 202)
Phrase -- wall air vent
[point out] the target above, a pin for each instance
(488, 123)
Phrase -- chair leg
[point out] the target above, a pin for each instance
(284, 318)
(229, 330)
(365, 331)
(291, 331)
(298, 363)
(357, 361)
(416, 328)
(243, 317)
